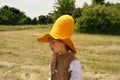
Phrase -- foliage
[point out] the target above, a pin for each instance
(63, 7)
(11, 16)
(77, 13)
(41, 19)
(44, 19)
(98, 1)
(101, 19)
(34, 21)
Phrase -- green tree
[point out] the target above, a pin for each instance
(34, 21)
(49, 19)
(42, 19)
(11, 16)
(77, 13)
(63, 7)
(98, 1)
(102, 19)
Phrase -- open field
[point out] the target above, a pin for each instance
(23, 58)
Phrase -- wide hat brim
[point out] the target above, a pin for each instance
(67, 41)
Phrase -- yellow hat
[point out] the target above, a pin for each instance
(62, 29)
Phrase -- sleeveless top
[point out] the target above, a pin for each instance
(60, 65)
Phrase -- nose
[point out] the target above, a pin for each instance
(50, 44)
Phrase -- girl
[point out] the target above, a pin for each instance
(64, 64)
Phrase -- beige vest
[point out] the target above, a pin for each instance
(60, 65)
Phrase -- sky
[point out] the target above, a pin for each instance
(35, 8)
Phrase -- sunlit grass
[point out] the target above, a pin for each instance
(23, 58)
(23, 27)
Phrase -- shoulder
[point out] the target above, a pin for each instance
(75, 65)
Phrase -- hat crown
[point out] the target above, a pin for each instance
(63, 27)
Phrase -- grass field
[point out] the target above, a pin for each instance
(23, 58)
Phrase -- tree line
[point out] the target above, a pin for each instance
(99, 17)
(13, 16)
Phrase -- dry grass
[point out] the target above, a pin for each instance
(23, 58)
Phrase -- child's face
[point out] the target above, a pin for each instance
(57, 46)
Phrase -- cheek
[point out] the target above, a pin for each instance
(59, 46)
(54, 47)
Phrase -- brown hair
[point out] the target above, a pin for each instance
(68, 48)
